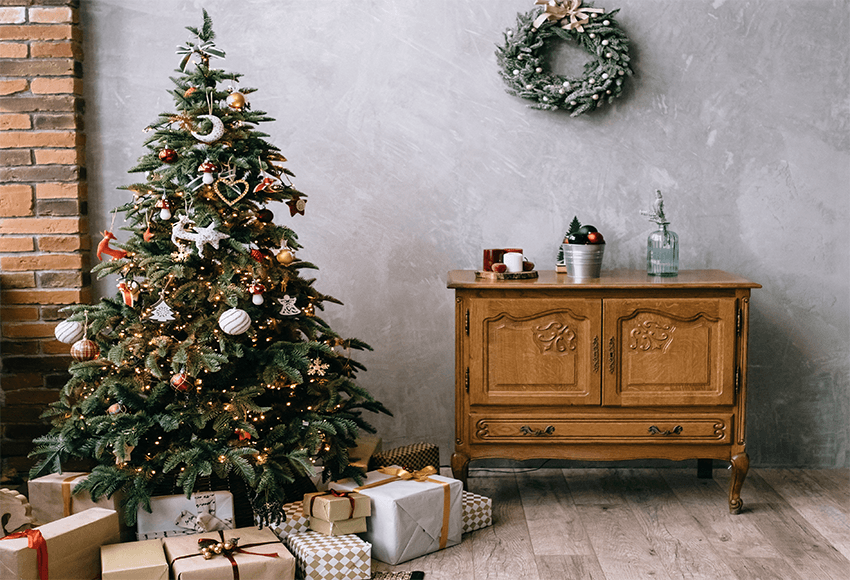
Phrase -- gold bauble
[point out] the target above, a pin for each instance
(285, 257)
(236, 101)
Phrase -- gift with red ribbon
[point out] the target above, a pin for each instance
(244, 553)
(64, 549)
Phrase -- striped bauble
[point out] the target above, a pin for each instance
(69, 331)
(234, 321)
(84, 350)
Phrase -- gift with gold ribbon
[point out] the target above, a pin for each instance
(64, 549)
(568, 14)
(413, 512)
(244, 553)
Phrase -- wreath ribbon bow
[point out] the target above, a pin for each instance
(570, 14)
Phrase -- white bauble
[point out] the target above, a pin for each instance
(234, 321)
(257, 299)
(165, 214)
(69, 331)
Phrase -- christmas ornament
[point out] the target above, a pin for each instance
(266, 183)
(285, 257)
(243, 434)
(148, 234)
(167, 155)
(524, 55)
(116, 409)
(164, 208)
(257, 254)
(265, 216)
(232, 184)
(216, 133)
(103, 248)
(84, 350)
(190, 91)
(236, 101)
(181, 381)
(69, 331)
(207, 168)
(234, 321)
(130, 291)
(160, 311)
(256, 289)
(289, 307)
(296, 206)
(205, 235)
(317, 367)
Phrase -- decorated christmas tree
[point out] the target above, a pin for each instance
(211, 359)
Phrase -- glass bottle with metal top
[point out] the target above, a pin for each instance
(662, 245)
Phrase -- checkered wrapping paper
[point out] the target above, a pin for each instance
(477, 512)
(320, 557)
(411, 457)
(296, 521)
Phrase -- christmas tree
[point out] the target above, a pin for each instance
(211, 359)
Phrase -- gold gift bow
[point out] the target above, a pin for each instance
(400, 474)
(570, 14)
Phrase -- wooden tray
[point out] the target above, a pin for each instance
(506, 275)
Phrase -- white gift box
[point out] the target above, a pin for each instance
(409, 517)
(177, 515)
(295, 523)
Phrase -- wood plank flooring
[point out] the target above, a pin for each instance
(664, 524)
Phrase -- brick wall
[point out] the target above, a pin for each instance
(44, 238)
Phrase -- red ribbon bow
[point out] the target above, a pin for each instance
(36, 542)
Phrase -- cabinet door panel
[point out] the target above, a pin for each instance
(540, 351)
(671, 352)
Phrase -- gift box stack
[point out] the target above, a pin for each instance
(337, 513)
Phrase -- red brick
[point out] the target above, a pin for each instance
(44, 226)
(28, 330)
(39, 32)
(41, 262)
(13, 244)
(78, 296)
(17, 280)
(31, 68)
(16, 200)
(56, 15)
(13, 15)
(20, 347)
(40, 103)
(9, 157)
(56, 156)
(60, 49)
(13, 50)
(21, 381)
(12, 86)
(64, 279)
(48, 86)
(19, 139)
(77, 190)
(55, 347)
(42, 397)
(18, 313)
(63, 243)
(36, 172)
(58, 121)
(14, 121)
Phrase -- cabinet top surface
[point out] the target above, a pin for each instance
(621, 278)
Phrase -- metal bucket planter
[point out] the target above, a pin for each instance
(583, 260)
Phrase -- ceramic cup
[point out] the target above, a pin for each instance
(513, 260)
(493, 256)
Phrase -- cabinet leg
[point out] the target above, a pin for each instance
(460, 468)
(740, 466)
(704, 467)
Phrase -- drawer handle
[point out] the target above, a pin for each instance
(656, 431)
(526, 430)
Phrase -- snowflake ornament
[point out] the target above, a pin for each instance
(317, 367)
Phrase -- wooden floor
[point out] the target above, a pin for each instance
(619, 524)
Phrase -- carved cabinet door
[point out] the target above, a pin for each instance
(532, 351)
(669, 352)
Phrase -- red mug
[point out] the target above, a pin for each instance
(493, 256)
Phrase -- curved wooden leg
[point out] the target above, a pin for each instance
(460, 467)
(740, 466)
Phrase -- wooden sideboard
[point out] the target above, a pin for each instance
(626, 366)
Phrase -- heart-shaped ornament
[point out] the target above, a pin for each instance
(227, 183)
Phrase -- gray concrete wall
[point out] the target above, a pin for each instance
(396, 123)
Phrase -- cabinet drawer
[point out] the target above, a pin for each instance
(708, 428)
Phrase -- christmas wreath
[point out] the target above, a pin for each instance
(523, 56)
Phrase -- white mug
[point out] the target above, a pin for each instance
(513, 260)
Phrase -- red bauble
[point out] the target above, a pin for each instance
(265, 216)
(595, 238)
(84, 349)
(181, 381)
(167, 155)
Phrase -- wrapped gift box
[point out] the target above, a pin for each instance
(331, 508)
(268, 558)
(295, 522)
(143, 560)
(321, 557)
(411, 457)
(339, 527)
(177, 515)
(72, 547)
(52, 498)
(477, 512)
(361, 455)
(410, 517)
